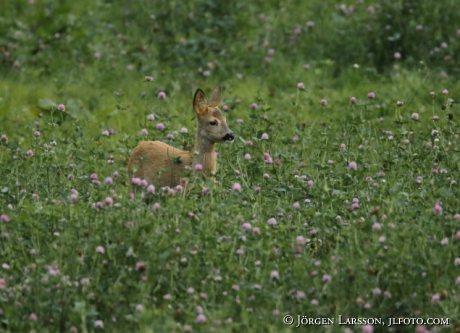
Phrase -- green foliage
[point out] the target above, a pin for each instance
(78, 252)
(42, 37)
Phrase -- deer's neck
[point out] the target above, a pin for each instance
(205, 155)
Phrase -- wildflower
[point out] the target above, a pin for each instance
(326, 278)
(352, 166)
(246, 226)
(271, 221)
(99, 323)
(247, 157)
(160, 126)
(144, 132)
(296, 205)
(61, 107)
(161, 95)
(299, 295)
(377, 291)
(30, 153)
(108, 180)
(225, 108)
(300, 240)
(33, 317)
(254, 106)
(183, 130)
(151, 117)
(4, 218)
(264, 136)
(148, 78)
(140, 266)
(376, 226)
(371, 95)
(109, 201)
(300, 86)
(352, 100)
(100, 249)
(397, 55)
(268, 158)
(445, 92)
(105, 133)
(198, 167)
(151, 189)
(323, 102)
(200, 318)
(368, 328)
(274, 275)
(73, 197)
(236, 187)
(437, 209)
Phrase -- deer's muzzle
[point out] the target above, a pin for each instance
(229, 137)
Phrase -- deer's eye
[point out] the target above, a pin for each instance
(213, 123)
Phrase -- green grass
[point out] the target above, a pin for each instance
(165, 262)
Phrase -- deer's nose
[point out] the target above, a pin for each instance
(229, 137)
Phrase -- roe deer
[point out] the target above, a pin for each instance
(161, 164)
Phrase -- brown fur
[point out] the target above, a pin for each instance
(162, 165)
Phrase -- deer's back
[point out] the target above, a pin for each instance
(159, 163)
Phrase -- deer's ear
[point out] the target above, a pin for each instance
(200, 104)
(215, 99)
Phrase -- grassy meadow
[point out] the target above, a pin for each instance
(337, 201)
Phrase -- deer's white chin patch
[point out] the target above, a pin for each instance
(229, 141)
